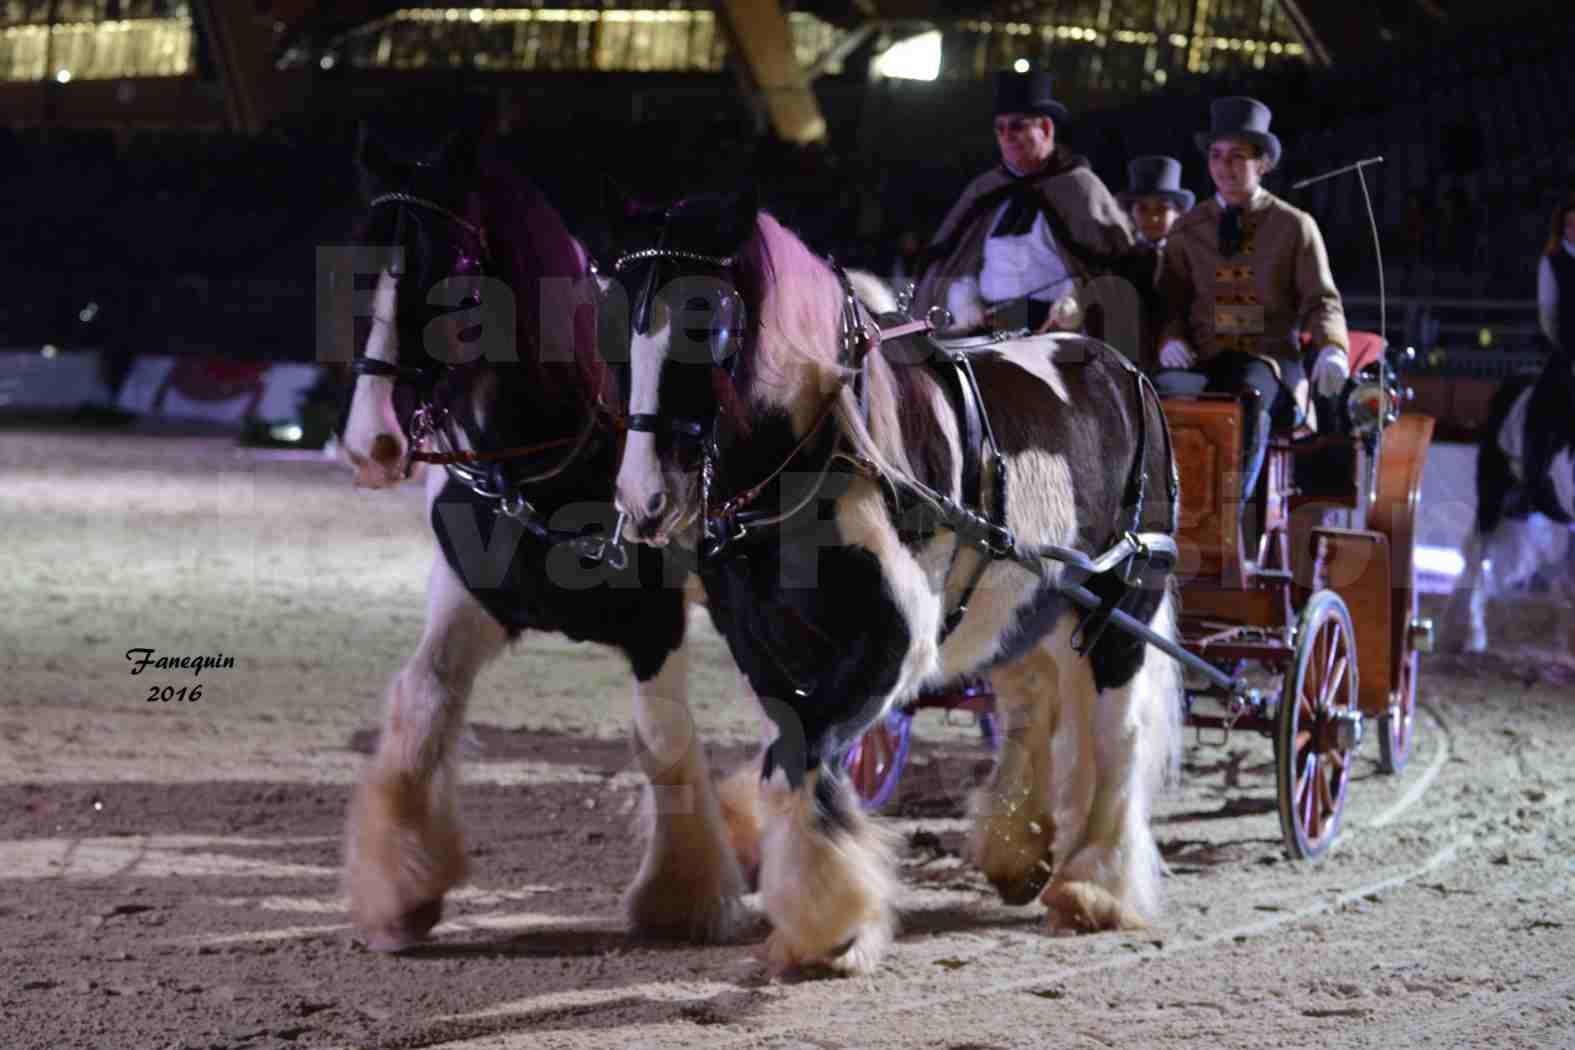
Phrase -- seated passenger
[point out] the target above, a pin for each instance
(1243, 272)
(1155, 199)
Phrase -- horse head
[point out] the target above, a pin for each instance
(706, 346)
(420, 232)
(478, 301)
(744, 342)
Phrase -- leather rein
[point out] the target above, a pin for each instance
(735, 520)
(1134, 554)
(433, 422)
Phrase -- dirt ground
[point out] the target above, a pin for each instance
(168, 870)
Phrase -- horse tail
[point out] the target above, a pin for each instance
(1495, 477)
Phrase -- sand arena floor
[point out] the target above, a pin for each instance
(168, 871)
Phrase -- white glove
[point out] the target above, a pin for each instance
(1175, 354)
(965, 304)
(1330, 371)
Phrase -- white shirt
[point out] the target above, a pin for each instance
(1027, 263)
(1548, 295)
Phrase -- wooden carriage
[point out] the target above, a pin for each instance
(1311, 588)
(1314, 586)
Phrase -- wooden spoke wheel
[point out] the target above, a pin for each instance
(1318, 727)
(1402, 458)
(874, 764)
(1395, 728)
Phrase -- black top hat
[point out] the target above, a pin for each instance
(1156, 177)
(1240, 117)
(1026, 93)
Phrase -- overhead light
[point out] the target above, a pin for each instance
(916, 58)
(1020, 66)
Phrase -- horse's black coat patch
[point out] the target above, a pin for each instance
(541, 391)
(807, 618)
(525, 583)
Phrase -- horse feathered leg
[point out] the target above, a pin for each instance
(1108, 867)
(404, 849)
(1012, 828)
(827, 877)
(689, 884)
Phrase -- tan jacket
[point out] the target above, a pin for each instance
(1279, 282)
(1083, 204)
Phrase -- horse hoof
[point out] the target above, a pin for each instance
(408, 930)
(1023, 891)
(1082, 907)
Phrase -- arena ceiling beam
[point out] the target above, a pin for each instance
(769, 72)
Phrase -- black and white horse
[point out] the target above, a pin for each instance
(1525, 515)
(753, 425)
(511, 386)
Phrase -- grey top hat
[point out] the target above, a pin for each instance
(1026, 93)
(1156, 177)
(1240, 117)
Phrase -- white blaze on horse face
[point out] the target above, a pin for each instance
(374, 443)
(642, 490)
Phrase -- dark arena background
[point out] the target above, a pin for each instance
(174, 172)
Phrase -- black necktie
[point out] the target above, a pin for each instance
(1022, 209)
(1230, 232)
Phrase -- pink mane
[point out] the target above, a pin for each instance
(538, 259)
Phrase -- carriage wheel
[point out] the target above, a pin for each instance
(1317, 727)
(874, 763)
(1403, 455)
(1395, 727)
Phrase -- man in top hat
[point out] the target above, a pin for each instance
(1024, 233)
(1154, 198)
(1244, 273)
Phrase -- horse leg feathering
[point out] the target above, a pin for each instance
(404, 847)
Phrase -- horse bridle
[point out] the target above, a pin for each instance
(431, 421)
(655, 422)
(734, 521)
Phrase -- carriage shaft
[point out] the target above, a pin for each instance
(1130, 624)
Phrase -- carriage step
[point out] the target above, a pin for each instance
(1273, 575)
